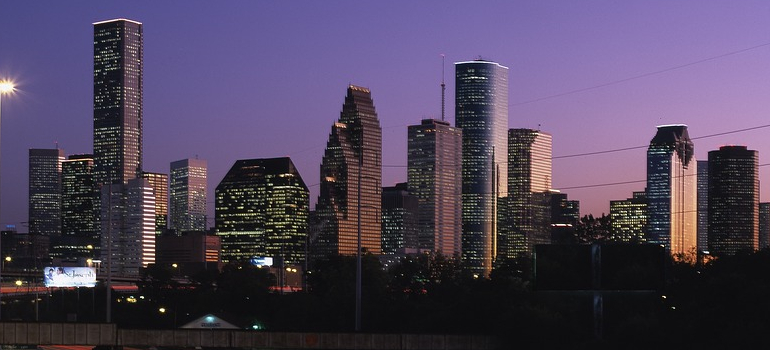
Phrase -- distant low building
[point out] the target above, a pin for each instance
(629, 219)
(190, 252)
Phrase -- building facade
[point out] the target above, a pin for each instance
(481, 111)
(524, 215)
(45, 186)
(188, 195)
(399, 220)
(672, 191)
(128, 227)
(703, 206)
(565, 214)
(262, 211)
(118, 123)
(80, 236)
(190, 252)
(733, 200)
(159, 184)
(118, 68)
(628, 219)
(350, 195)
(434, 176)
(764, 225)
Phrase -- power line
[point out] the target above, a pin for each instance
(629, 182)
(585, 154)
(644, 75)
(645, 146)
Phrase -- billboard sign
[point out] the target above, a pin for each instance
(69, 276)
(262, 261)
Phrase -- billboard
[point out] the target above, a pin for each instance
(69, 276)
(262, 261)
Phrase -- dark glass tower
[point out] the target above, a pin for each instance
(118, 68)
(80, 237)
(481, 111)
(764, 225)
(672, 191)
(45, 191)
(399, 220)
(434, 174)
(351, 180)
(262, 211)
(703, 206)
(188, 195)
(733, 200)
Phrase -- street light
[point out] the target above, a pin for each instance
(6, 87)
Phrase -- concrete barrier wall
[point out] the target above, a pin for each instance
(108, 334)
(58, 333)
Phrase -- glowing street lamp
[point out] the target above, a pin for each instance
(6, 87)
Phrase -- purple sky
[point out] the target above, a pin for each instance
(254, 79)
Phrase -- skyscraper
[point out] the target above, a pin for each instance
(45, 171)
(351, 178)
(733, 200)
(118, 67)
(80, 237)
(188, 195)
(434, 174)
(159, 184)
(671, 190)
(118, 75)
(703, 206)
(262, 211)
(524, 215)
(481, 111)
(399, 220)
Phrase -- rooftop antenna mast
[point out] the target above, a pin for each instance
(443, 87)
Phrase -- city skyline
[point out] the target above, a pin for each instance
(230, 108)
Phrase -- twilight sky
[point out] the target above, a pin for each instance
(229, 80)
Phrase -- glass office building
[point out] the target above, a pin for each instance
(672, 190)
(481, 111)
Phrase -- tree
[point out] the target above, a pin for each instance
(593, 230)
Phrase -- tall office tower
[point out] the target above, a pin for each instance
(188, 195)
(80, 236)
(159, 184)
(703, 206)
(45, 191)
(764, 225)
(434, 176)
(628, 219)
(733, 200)
(565, 214)
(525, 214)
(118, 67)
(351, 177)
(399, 220)
(671, 191)
(481, 111)
(128, 226)
(262, 211)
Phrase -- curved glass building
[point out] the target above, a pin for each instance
(481, 111)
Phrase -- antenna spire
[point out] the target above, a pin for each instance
(443, 87)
